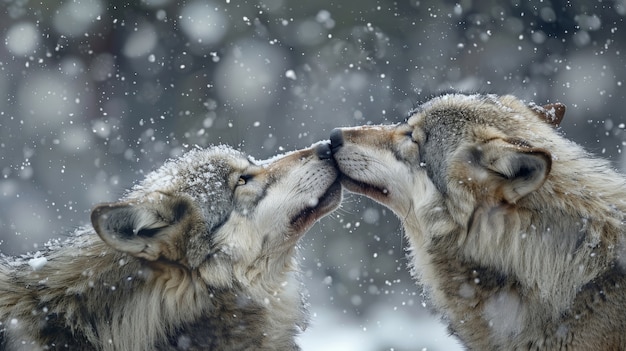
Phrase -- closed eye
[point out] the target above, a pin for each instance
(409, 134)
(244, 179)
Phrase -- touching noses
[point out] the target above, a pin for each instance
(323, 151)
(336, 140)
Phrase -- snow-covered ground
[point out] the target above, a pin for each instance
(384, 329)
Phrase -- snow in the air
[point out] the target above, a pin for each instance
(141, 42)
(74, 18)
(22, 39)
(204, 22)
(95, 95)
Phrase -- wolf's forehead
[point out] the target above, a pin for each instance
(197, 169)
(458, 110)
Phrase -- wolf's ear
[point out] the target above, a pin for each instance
(147, 230)
(522, 169)
(551, 113)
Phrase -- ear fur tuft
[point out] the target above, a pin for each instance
(505, 170)
(523, 169)
(147, 230)
(551, 113)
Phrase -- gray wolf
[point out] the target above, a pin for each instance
(517, 234)
(200, 255)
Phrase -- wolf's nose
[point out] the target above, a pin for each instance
(322, 150)
(336, 139)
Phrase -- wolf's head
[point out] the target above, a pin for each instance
(218, 212)
(471, 148)
(486, 182)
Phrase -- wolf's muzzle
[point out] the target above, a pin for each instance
(323, 151)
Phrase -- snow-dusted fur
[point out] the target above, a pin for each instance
(516, 233)
(201, 255)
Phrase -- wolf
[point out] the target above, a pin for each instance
(200, 255)
(517, 234)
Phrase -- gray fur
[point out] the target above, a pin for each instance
(200, 255)
(516, 233)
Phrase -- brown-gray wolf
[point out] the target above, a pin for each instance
(517, 234)
(200, 255)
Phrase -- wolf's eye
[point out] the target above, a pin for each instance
(244, 179)
(409, 134)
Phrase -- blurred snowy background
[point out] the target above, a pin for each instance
(95, 93)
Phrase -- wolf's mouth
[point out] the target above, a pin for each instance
(325, 204)
(375, 192)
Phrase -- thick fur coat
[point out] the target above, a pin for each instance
(201, 255)
(516, 233)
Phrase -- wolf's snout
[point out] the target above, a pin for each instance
(323, 151)
(336, 139)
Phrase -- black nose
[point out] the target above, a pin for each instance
(336, 139)
(323, 151)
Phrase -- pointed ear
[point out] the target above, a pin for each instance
(147, 230)
(551, 113)
(521, 169)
